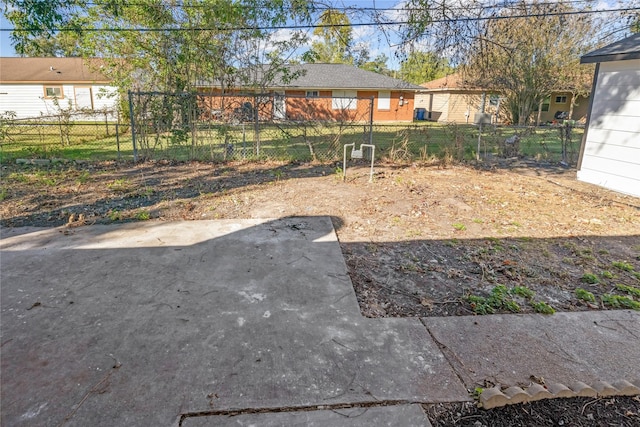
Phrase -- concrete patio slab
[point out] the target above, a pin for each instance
(404, 415)
(563, 348)
(143, 324)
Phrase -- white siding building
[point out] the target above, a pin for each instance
(610, 151)
(31, 87)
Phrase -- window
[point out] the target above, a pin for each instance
(562, 99)
(384, 100)
(312, 94)
(344, 100)
(53, 92)
(494, 100)
(545, 104)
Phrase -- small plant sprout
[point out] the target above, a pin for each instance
(143, 216)
(589, 278)
(606, 274)
(617, 301)
(631, 290)
(542, 308)
(114, 215)
(523, 292)
(477, 392)
(458, 226)
(621, 265)
(584, 295)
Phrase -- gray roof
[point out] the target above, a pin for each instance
(343, 76)
(327, 76)
(624, 49)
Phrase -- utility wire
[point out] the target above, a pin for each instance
(313, 26)
(501, 5)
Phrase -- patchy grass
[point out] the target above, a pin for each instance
(585, 295)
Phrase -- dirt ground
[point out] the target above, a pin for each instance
(418, 240)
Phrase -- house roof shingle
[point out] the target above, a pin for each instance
(451, 82)
(343, 76)
(49, 70)
(621, 50)
(326, 76)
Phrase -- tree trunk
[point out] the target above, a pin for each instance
(539, 113)
(571, 105)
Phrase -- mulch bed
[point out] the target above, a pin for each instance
(577, 411)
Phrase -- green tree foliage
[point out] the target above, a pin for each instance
(377, 65)
(167, 45)
(420, 67)
(526, 58)
(336, 39)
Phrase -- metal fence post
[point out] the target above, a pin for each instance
(133, 127)
(118, 139)
(371, 121)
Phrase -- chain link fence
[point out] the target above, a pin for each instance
(73, 136)
(250, 127)
(222, 127)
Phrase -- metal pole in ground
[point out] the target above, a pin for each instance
(371, 121)
(118, 138)
(133, 127)
(482, 110)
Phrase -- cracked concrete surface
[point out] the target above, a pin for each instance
(154, 323)
(140, 324)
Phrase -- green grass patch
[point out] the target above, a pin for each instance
(542, 308)
(501, 298)
(287, 141)
(631, 290)
(584, 295)
(618, 301)
(621, 265)
(522, 291)
(606, 274)
(142, 215)
(590, 278)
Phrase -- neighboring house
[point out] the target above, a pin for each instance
(29, 87)
(610, 151)
(451, 100)
(332, 91)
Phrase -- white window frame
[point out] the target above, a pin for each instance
(313, 94)
(344, 100)
(384, 100)
(47, 96)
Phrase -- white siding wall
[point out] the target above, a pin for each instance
(27, 100)
(612, 148)
(440, 107)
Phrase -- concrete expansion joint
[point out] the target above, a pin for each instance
(307, 408)
(498, 396)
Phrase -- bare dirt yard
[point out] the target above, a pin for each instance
(418, 240)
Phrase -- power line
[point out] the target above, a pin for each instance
(501, 5)
(313, 26)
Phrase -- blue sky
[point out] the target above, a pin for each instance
(373, 37)
(369, 35)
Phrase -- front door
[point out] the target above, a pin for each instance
(279, 106)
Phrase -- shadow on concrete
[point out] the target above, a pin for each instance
(157, 323)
